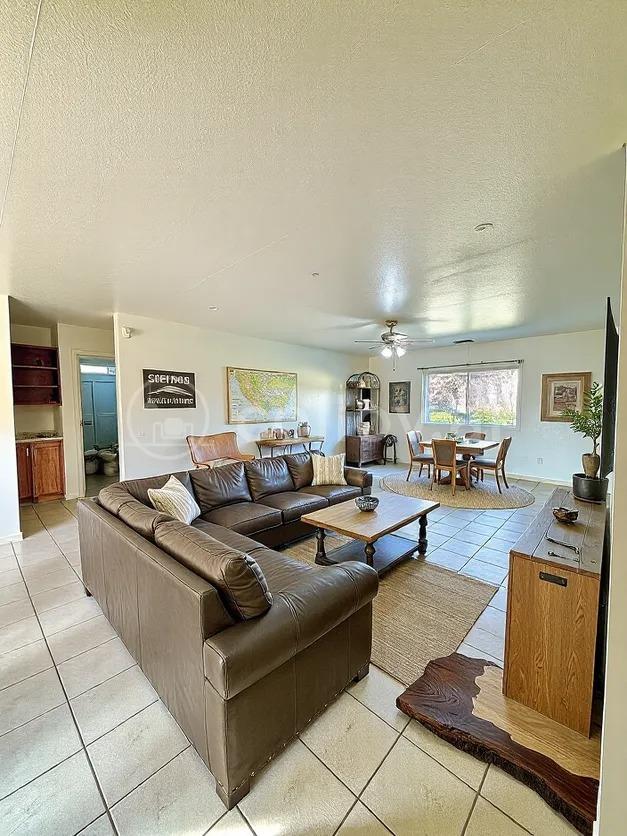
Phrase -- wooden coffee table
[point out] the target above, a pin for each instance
(383, 550)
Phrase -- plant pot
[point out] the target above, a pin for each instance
(591, 463)
(589, 490)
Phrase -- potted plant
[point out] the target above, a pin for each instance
(589, 422)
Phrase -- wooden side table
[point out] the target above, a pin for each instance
(285, 444)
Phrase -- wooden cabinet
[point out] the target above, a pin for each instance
(361, 449)
(552, 613)
(40, 470)
(24, 472)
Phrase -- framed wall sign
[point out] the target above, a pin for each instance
(256, 396)
(169, 390)
(563, 391)
(399, 397)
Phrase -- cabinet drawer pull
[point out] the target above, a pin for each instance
(545, 576)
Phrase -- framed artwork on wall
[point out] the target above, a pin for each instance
(255, 396)
(399, 397)
(563, 391)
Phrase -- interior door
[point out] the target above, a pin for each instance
(87, 402)
(105, 412)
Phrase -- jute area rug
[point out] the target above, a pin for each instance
(481, 497)
(422, 612)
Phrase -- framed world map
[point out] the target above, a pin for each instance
(255, 396)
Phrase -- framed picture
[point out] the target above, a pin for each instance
(255, 396)
(399, 395)
(563, 391)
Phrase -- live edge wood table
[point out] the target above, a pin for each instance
(371, 531)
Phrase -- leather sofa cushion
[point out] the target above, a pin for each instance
(245, 517)
(215, 487)
(300, 468)
(332, 493)
(293, 504)
(113, 497)
(141, 519)
(268, 476)
(358, 478)
(138, 488)
(236, 575)
(228, 537)
(281, 570)
(322, 599)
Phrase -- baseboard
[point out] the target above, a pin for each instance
(11, 538)
(544, 481)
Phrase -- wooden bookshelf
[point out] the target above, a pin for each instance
(36, 377)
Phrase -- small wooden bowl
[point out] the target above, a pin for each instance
(565, 515)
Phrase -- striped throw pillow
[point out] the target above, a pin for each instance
(174, 499)
(328, 470)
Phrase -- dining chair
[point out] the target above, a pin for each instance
(417, 454)
(445, 458)
(476, 436)
(481, 464)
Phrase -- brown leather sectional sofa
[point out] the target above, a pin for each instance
(240, 685)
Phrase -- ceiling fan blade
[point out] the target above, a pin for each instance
(371, 342)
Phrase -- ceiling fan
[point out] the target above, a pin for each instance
(392, 343)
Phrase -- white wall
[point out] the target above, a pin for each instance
(553, 442)
(9, 503)
(74, 340)
(153, 441)
(32, 419)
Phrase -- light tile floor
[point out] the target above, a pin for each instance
(86, 746)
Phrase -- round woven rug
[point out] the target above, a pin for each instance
(481, 496)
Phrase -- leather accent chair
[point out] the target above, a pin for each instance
(445, 458)
(417, 454)
(240, 686)
(221, 447)
(479, 465)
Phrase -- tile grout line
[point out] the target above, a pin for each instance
(76, 725)
(474, 801)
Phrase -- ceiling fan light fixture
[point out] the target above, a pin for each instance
(386, 352)
(400, 351)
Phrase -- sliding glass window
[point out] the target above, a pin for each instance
(476, 395)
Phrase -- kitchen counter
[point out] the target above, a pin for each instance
(32, 438)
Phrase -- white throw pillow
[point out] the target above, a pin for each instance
(328, 470)
(174, 499)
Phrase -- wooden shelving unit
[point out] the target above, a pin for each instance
(363, 388)
(36, 377)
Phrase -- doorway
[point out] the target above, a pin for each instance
(99, 422)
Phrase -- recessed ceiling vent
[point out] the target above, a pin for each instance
(461, 342)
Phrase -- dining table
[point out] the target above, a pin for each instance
(469, 448)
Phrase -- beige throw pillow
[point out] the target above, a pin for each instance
(174, 499)
(328, 470)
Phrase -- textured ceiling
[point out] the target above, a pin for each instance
(169, 156)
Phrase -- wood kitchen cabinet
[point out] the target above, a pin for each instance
(40, 470)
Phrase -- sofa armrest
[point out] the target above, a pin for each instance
(241, 655)
(358, 478)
